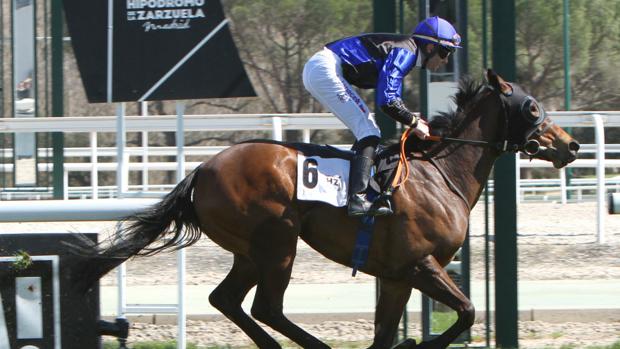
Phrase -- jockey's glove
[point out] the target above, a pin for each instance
(397, 110)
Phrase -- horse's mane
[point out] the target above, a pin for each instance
(445, 123)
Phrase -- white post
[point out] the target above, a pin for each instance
(122, 174)
(145, 149)
(181, 312)
(180, 140)
(94, 180)
(110, 51)
(563, 195)
(599, 137)
(276, 124)
(518, 177)
(65, 184)
(121, 280)
(306, 135)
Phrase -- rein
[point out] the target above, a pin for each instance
(530, 147)
(500, 146)
(495, 145)
(399, 179)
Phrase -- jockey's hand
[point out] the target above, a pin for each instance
(421, 130)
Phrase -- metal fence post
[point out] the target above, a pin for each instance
(276, 123)
(94, 173)
(121, 140)
(563, 189)
(599, 136)
(144, 109)
(181, 312)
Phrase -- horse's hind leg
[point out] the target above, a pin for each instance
(229, 294)
(274, 254)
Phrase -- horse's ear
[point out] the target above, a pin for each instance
(498, 83)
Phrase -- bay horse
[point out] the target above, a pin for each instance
(244, 199)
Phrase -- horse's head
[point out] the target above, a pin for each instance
(527, 127)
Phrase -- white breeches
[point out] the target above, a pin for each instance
(323, 78)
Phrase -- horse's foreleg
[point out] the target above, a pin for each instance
(431, 279)
(393, 295)
(229, 294)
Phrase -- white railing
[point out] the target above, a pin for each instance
(276, 124)
(178, 123)
(597, 120)
(167, 123)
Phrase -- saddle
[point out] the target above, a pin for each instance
(386, 161)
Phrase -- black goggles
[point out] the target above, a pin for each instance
(445, 51)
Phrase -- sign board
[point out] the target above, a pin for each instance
(143, 50)
(440, 96)
(38, 307)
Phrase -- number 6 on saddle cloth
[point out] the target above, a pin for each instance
(325, 177)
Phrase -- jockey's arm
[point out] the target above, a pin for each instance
(397, 110)
(398, 63)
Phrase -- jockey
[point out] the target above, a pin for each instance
(378, 61)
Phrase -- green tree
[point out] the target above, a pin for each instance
(276, 37)
(594, 27)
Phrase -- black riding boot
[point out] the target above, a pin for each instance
(359, 176)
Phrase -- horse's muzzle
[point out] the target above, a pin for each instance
(532, 147)
(573, 148)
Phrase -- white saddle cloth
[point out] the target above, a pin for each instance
(322, 179)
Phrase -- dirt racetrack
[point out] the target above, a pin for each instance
(555, 242)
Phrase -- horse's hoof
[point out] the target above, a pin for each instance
(406, 344)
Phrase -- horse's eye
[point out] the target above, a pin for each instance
(534, 110)
(531, 110)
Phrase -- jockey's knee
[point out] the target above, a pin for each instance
(369, 142)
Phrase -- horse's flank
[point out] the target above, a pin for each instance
(254, 184)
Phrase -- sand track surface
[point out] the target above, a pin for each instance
(555, 242)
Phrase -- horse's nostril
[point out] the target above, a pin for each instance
(574, 146)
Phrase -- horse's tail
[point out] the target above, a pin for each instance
(173, 218)
(170, 224)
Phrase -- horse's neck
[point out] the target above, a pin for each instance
(467, 166)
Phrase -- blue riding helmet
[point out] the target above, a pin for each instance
(437, 30)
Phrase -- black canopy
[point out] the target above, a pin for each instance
(161, 49)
